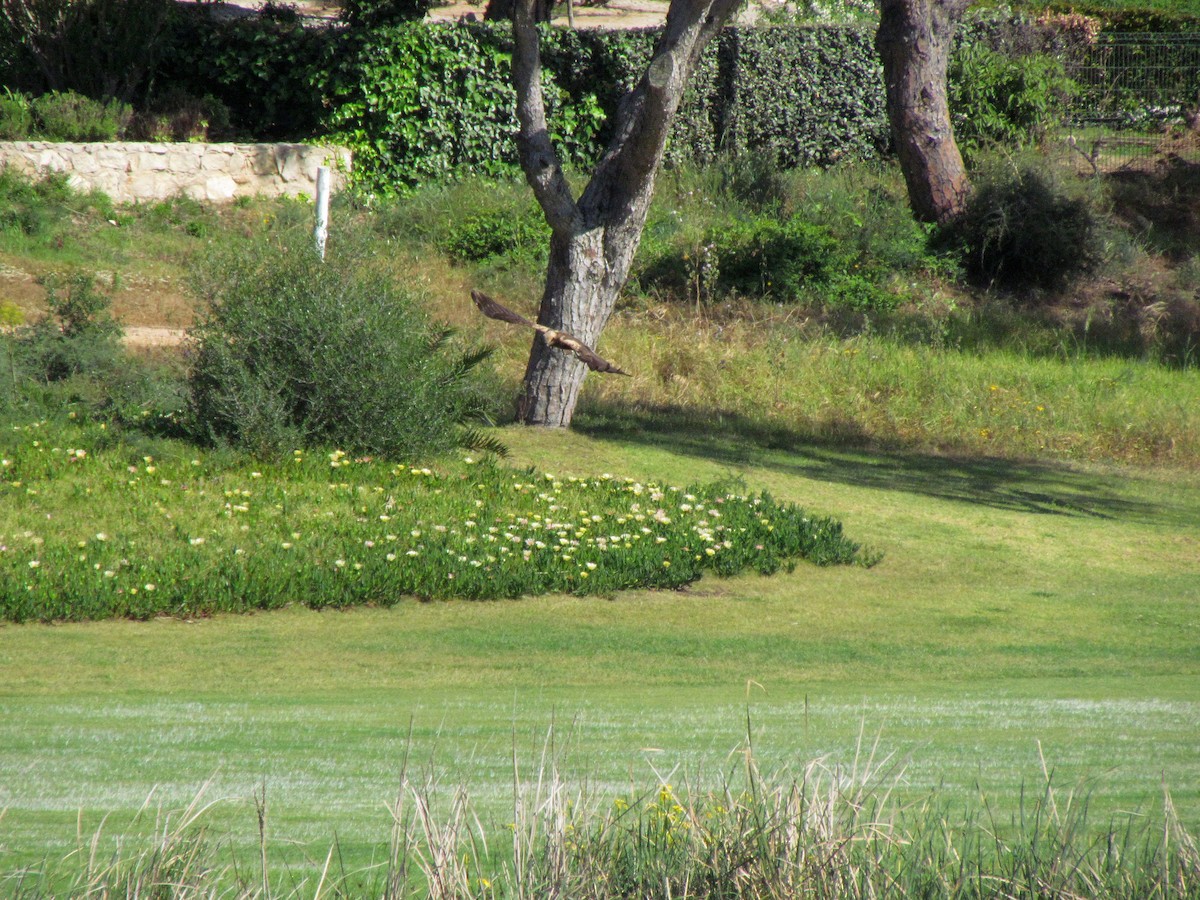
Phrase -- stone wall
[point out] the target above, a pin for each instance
(130, 172)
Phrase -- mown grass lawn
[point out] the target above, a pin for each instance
(1022, 613)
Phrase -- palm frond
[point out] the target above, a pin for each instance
(474, 439)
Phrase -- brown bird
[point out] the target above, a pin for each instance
(589, 357)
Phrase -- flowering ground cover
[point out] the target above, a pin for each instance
(97, 528)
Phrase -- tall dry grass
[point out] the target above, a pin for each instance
(822, 831)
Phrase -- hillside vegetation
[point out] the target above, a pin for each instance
(998, 700)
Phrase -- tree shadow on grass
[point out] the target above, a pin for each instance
(848, 456)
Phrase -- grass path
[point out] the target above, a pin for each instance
(1015, 604)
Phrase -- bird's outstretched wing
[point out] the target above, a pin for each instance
(586, 354)
(495, 310)
(589, 357)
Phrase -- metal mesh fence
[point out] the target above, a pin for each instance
(1137, 91)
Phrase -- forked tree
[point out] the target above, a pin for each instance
(593, 238)
(914, 40)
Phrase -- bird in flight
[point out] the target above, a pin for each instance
(589, 357)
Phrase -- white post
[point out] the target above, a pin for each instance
(321, 232)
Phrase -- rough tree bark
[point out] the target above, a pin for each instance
(593, 239)
(913, 41)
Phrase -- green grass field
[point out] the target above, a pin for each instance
(1021, 612)
(1032, 489)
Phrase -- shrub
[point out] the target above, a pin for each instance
(79, 336)
(756, 181)
(65, 358)
(16, 118)
(294, 353)
(497, 234)
(866, 208)
(263, 70)
(67, 116)
(1021, 228)
(858, 293)
(35, 207)
(996, 98)
(769, 257)
(30, 207)
(100, 48)
(759, 257)
(177, 115)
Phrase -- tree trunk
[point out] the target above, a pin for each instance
(593, 241)
(584, 277)
(914, 41)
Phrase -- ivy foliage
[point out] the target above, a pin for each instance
(803, 95)
(419, 102)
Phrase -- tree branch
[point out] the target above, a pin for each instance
(539, 161)
(646, 113)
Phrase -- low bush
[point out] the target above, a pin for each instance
(39, 209)
(80, 335)
(68, 116)
(1023, 227)
(784, 259)
(757, 256)
(78, 338)
(293, 353)
(501, 233)
(177, 115)
(72, 362)
(31, 207)
(773, 258)
(16, 118)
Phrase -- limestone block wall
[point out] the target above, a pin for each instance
(131, 172)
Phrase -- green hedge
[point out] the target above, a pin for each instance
(420, 101)
(805, 95)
